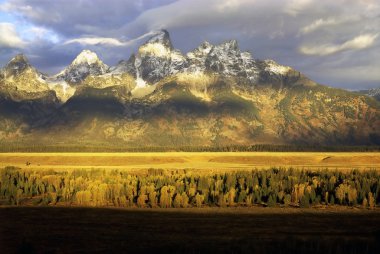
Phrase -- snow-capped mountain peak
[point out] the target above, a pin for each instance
(162, 37)
(85, 64)
(19, 58)
(19, 77)
(231, 45)
(157, 59)
(159, 45)
(16, 65)
(86, 56)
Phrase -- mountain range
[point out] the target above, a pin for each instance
(215, 95)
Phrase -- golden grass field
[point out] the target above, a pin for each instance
(210, 161)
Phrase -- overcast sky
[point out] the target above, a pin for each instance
(335, 42)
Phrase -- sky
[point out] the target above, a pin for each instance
(336, 43)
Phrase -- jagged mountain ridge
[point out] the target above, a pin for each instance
(214, 95)
(157, 59)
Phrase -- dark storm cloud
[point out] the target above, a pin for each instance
(333, 42)
(77, 17)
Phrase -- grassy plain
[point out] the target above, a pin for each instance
(210, 161)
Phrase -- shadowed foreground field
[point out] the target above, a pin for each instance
(258, 230)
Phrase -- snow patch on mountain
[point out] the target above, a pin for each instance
(156, 49)
(63, 90)
(140, 83)
(142, 90)
(276, 68)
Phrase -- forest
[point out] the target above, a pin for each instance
(185, 188)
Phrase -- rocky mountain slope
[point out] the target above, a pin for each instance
(374, 92)
(215, 95)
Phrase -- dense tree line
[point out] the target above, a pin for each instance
(181, 188)
(21, 147)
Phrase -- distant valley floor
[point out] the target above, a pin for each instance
(208, 161)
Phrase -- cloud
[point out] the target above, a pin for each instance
(35, 34)
(106, 41)
(228, 4)
(194, 21)
(197, 13)
(96, 41)
(332, 21)
(72, 18)
(9, 37)
(294, 7)
(357, 43)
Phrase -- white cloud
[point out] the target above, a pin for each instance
(96, 41)
(35, 33)
(357, 43)
(107, 41)
(227, 5)
(9, 37)
(332, 21)
(294, 7)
